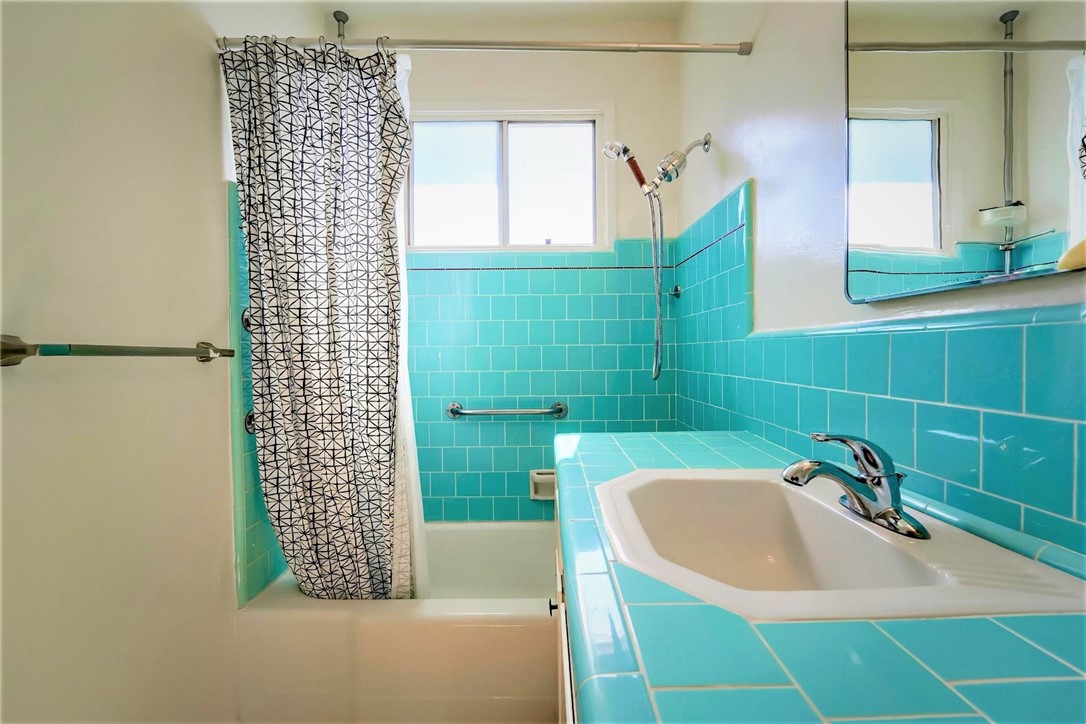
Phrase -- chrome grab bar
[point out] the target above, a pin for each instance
(558, 410)
(14, 350)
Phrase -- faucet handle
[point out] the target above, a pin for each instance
(872, 460)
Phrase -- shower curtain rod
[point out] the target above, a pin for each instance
(996, 46)
(520, 45)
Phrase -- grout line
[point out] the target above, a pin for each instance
(1033, 643)
(724, 687)
(1010, 680)
(787, 673)
(1022, 402)
(927, 668)
(905, 717)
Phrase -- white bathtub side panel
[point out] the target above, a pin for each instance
(484, 660)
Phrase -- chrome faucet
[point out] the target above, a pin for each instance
(874, 494)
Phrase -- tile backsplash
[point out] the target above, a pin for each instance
(985, 412)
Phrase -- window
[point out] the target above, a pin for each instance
(503, 183)
(893, 183)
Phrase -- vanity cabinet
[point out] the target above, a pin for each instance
(566, 693)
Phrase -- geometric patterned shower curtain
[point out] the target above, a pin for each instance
(321, 146)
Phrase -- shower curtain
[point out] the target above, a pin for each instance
(321, 145)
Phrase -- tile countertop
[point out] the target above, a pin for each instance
(646, 652)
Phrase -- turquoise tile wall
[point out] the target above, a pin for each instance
(515, 329)
(258, 557)
(985, 412)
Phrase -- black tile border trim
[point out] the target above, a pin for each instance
(572, 268)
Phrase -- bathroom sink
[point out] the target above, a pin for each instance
(747, 541)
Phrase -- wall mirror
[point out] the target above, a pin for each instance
(966, 163)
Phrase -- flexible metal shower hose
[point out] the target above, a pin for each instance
(656, 209)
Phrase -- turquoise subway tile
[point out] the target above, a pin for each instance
(949, 648)
(613, 698)
(847, 413)
(456, 509)
(948, 442)
(529, 358)
(752, 357)
(481, 509)
(984, 368)
(700, 645)
(828, 362)
(786, 406)
(923, 484)
(514, 333)
(1064, 560)
(492, 484)
(918, 365)
(1061, 635)
(1030, 702)
(868, 363)
(859, 653)
(738, 706)
(503, 358)
(1056, 370)
(505, 508)
(442, 484)
(528, 308)
(541, 333)
(535, 509)
(763, 400)
(636, 587)
(775, 360)
(541, 281)
(1029, 460)
(984, 505)
(798, 361)
(1061, 531)
(892, 424)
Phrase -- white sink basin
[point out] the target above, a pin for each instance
(745, 540)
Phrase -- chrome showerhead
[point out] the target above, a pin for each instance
(674, 163)
(615, 150)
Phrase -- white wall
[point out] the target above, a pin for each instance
(641, 88)
(779, 117)
(118, 595)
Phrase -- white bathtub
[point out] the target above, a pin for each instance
(482, 648)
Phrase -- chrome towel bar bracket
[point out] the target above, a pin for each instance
(14, 350)
(558, 410)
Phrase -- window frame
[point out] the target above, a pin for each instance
(942, 198)
(599, 114)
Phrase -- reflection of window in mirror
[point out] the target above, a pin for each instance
(894, 191)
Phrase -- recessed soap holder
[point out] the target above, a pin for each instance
(541, 484)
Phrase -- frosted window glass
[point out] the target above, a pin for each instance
(455, 184)
(552, 183)
(893, 185)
